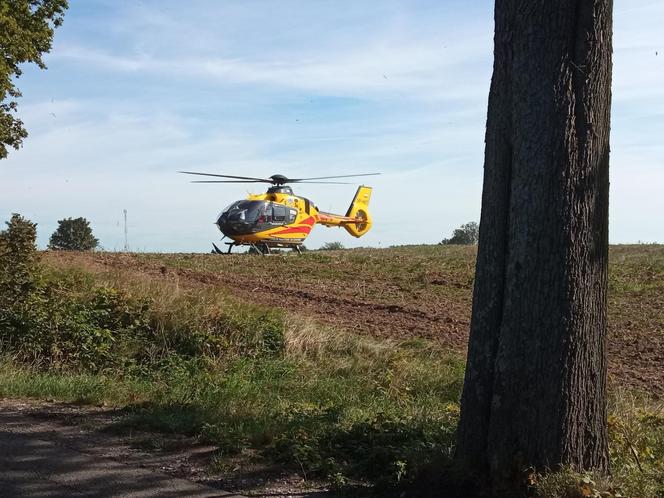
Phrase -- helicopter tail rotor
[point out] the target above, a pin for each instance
(359, 209)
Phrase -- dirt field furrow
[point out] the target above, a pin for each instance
(411, 293)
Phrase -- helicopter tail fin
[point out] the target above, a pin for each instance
(359, 209)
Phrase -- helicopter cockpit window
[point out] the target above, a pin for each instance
(265, 214)
(228, 208)
(244, 211)
(278, 213)
(249, 216)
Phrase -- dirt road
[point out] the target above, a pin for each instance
(50, 449)
(42, 457)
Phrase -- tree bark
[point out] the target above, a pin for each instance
(535, 385)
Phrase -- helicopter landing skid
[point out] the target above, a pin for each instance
(216, 250)
(262, 249)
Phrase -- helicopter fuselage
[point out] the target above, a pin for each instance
(279, 218)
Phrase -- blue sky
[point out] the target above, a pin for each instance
(137, 90)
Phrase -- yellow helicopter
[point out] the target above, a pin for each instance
(281, 219)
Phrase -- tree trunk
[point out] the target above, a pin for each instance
(535, 386)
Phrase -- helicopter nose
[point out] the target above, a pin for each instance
(230, 227)
(222, 223)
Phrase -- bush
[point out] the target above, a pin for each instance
(67, 321)
(332, 246)
(101, 328)
(58, 330)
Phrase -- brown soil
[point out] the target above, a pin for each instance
(377, 308)
(431, 301)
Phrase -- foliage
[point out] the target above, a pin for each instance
(636, 443)
(26, 32)
(73, 234)
(332, 246)
(636, 431)
(568, 483)
(18, 261)
(58, 332)
(71, 322)
(82, 326)
(466, 234)
(383, 449)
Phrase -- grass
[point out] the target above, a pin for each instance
(636, 435)
(358, 411)
(245, 377)
(316, 399)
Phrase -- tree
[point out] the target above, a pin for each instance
(535, 383)
(73, 234)
(464, 235)
(18, 260)
(26, 32)
(332, 246)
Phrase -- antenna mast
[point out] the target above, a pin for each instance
(126, 246)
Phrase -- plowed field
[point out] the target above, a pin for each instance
(406, 293)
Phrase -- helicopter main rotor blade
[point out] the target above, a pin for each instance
(227, 181)
(291, 180)
(321, 183)
(265, 180)
(274, 179)
(258, 181)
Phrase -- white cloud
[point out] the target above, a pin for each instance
(387, 49)
(413, 71)
(222, 88)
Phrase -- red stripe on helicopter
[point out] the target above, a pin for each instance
(300, 229)
(304, 226)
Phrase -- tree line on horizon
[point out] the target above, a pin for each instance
(72, 234)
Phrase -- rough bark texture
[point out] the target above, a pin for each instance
(534, 392)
